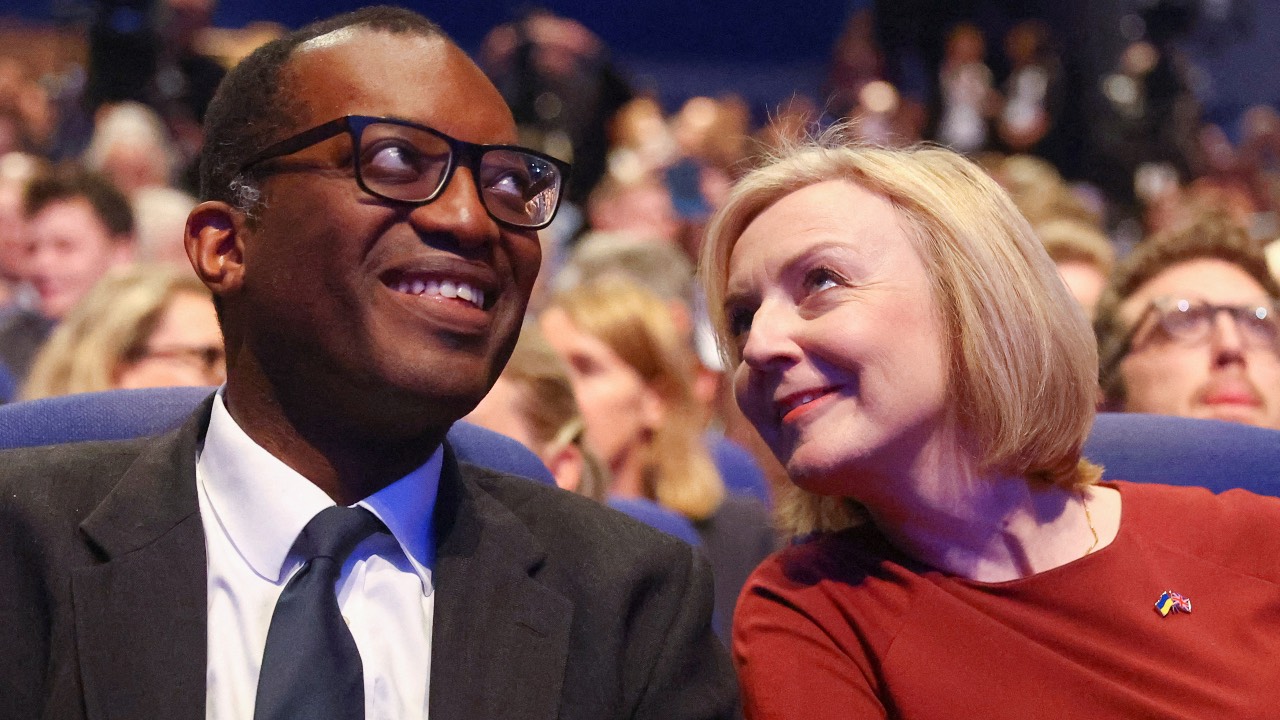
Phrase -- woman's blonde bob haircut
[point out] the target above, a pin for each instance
(111, 323)
(1023, 361)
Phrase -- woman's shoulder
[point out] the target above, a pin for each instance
(1166, 503)
(846, 568)
(1235, 527)
(846, 588)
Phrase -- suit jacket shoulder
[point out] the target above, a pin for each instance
(102, 579)
(606, 616)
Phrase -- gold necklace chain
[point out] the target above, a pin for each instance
(1084, 501)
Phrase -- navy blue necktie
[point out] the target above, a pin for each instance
(311, 667)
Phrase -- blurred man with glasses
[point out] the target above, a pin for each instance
(1189, 325)
(307, 546)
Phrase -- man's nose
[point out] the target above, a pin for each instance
(37, 257)
(458, 212)
(1226, 338)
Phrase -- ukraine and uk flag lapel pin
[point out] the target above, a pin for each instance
(1172, 602)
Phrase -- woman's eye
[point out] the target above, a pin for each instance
(739, 322)
(820, 279)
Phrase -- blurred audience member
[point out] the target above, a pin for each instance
(562, 87)
(1190, 326)
(641, 143)
(1033, 92)
(664, 270)
(152, 56)
(968, 96)
(1084, 257)
(640, 206)
(659, 266)
(141, 326)
(131, 148)
(1144, 137)
(160, 215)
(632, 372)
(533, 402)
(16, 170)
(1039, 191)
(79, 226)
(27, 118)
(855, 61)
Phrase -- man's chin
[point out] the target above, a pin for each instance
(1237, 413)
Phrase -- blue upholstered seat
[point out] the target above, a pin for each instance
(1181, 451)
(120, 414)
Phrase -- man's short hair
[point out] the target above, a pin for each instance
(72, 182)
(1212, 236)
(252, 108)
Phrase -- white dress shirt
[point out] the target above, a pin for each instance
(253, 508)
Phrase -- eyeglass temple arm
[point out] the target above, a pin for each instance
(298, 142)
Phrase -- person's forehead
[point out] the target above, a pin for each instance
(358, 71)
(75, 213)
(1211, 279)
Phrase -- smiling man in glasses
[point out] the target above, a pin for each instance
(307, 546)
(1189, 325)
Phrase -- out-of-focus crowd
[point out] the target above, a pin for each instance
(98, 137)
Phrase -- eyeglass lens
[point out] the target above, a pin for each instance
(1192, 319)
(399, 162)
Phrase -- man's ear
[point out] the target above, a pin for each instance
(215, 245)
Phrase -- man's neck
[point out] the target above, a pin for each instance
(346, 459)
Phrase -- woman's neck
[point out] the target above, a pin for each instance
(627, 475)
(995, 529)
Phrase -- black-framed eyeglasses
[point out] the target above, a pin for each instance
(406, 162)
(1192, 320)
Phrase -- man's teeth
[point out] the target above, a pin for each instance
(445, 288)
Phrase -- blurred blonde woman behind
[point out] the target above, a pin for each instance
(632, 371)
(140, 326)
(533, 402)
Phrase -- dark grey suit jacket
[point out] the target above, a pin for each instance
(549, 605)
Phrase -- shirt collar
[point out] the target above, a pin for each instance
(262, 504)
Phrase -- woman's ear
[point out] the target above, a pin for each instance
(215, 245)
(567, 466)
(653, 408)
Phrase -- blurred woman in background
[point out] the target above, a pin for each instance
(140, 326)
(632, 371)
(533, 403)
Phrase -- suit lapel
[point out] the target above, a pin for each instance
(500, 638)
(140, 616)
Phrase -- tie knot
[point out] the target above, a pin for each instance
(335, 532)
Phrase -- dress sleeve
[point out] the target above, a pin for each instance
(797, 654)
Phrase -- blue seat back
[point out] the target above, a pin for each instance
(655, 516)
(1182, 451)
(121, 414)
